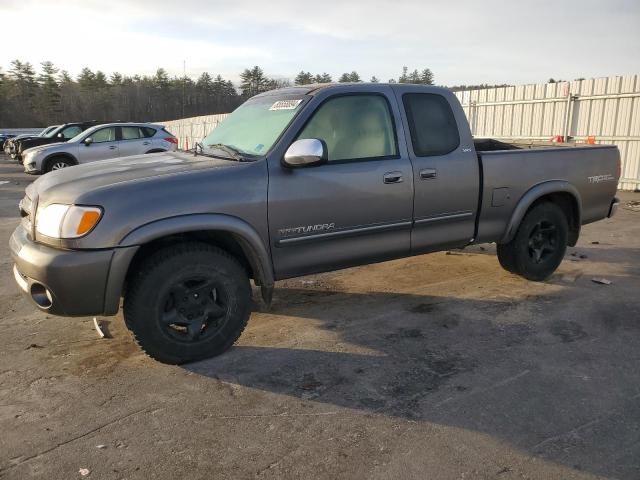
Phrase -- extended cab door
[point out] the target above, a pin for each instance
(103, 146)
(445, 169)
(357, 207)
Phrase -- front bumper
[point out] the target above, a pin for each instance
(30, 166)
(71, 283)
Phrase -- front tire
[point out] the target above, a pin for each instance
(539, 244)
(57, 163)
(187, 302)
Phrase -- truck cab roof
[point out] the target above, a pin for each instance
(315, 88)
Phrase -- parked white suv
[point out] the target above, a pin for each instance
(102, 142)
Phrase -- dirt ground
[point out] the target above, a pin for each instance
(434, 367)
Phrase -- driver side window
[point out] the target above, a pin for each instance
(354, 127)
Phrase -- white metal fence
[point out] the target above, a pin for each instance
(600, 110)
(20, 131)
(194, 129)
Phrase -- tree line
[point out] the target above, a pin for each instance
(51, 96)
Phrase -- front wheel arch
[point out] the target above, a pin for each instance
(48, 161)
(229, 233)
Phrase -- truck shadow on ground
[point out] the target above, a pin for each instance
(513, 369)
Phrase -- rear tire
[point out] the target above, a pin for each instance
(539, 244)
(57, 163)
(187, 302)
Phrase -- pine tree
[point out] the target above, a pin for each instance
(426, 77)
(414, 77)
(324, 78)
(303, 78)
(404, 78)
(253, 82)
(49, 92)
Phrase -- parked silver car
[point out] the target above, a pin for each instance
(102, 142)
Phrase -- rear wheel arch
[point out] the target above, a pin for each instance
(560, 193)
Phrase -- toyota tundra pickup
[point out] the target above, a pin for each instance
(295, 181)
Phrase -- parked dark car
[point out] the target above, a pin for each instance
(10, 145)
(61, 134)
(5, 136)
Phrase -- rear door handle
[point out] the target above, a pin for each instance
(392, 177)
(146, 143)
(112, 147)
(428, 173)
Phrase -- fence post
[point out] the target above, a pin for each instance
(567, 116)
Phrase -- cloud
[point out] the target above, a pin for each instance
(463, 41)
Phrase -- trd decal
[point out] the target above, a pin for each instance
(601, 178)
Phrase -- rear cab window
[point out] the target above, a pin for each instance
(432, 125)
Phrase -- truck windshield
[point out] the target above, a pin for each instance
(253, 128)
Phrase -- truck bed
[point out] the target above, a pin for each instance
(509, 170)
(492, 144)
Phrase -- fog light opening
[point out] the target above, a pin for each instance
(41, 295)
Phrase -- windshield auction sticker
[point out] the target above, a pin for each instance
(285, 105)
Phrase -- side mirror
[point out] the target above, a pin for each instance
(59, 135)
(305, 153)
(88, 141)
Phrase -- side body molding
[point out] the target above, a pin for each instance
(246, 236)
(533, 194)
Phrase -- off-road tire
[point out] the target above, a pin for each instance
(150, 298)
(519, 256)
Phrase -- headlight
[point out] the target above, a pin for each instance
(66, 221)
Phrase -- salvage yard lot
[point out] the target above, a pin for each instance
(438, 366)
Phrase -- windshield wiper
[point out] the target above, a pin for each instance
(233, 153)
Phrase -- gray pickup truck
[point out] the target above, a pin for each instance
(295, 181)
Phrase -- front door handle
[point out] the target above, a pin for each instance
(428, 173)
(112, 147)
(145, 143)
(392, 177)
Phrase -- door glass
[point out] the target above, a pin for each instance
(71, 132)
(148, 132)
(130, 133)
(354, 127)
(104, 135)
(432, 125)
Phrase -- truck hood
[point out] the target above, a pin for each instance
(140, 190)
(69, 185)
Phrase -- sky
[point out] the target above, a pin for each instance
(461, 41)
